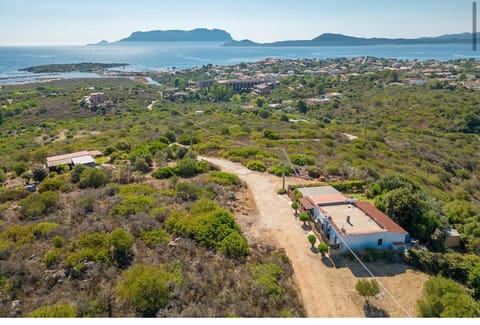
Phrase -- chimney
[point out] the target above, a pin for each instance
(348, 219)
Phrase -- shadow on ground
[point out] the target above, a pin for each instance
(306, 227)
(373, 311)
(378, 268)
(327, 262)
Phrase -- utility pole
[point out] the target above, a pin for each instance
(283, 177)
(365, 131)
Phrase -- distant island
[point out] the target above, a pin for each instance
(73, 67)
(326, 39)
(103, 42)
(329, 39)
(196, 35)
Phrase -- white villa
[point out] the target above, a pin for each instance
(345, 222)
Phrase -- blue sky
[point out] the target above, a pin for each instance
(36, 22)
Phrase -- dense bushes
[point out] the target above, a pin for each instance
(256, 165)
(302, 160)
(186, 167)
(266, 276)
(37, 204)
(52, 184)
(164, 172)
(445, 298)
(451, 265)
(57, 310)
(93, 177)
(211, 228)
(98, 247)
(223, 178)
(149, 287)
(410, 207)
(279, 170)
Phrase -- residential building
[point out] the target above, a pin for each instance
(346, 223)
(75, 158)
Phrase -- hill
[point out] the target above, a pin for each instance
(195, 35)
(329, 39)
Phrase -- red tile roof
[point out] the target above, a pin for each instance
(380, 218)
(306, 204)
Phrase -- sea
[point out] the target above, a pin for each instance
(164, 56)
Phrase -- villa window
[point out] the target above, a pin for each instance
(380, 242)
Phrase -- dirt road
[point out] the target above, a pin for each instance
(326, 291)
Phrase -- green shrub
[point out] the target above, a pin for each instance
(278, 170)
(37, 204)
(314, 171)
(187, 191)
(58, 241)
(234, 245)
(93, 177)
(132, 204)
(271, 135)
(445, 298)
(57, 310)
(39, 173)
(302, 160)
(155, 237)
(147, 288)
(3, 176)
(256, 165)
(323, 248)
(18, 235)
(452, 265)
(223, 178)
(163, 173)
(13, 194)
(51, 257)
(135, 189)
(52, 184)
(121, 241)
(42, 229)
(76, 172)
(187, 167)
(267, 277)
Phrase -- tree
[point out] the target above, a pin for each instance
(20, 167)
(93, 177)
(295, 206)
(187, 167)
(141, 165)
(260, 101)
(323, 248)
(445, 298)
(312, 239)
(76, 172)
(147, 288)
(121, 241)
(474, 281)
(303, 218)
(367, 289)
(234, 245)
(219, 92)
(39, 173)
(302, 106)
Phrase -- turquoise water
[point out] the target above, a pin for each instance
(162, 56)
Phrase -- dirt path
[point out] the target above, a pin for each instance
(326, 291)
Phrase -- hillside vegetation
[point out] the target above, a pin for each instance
(417, 152)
